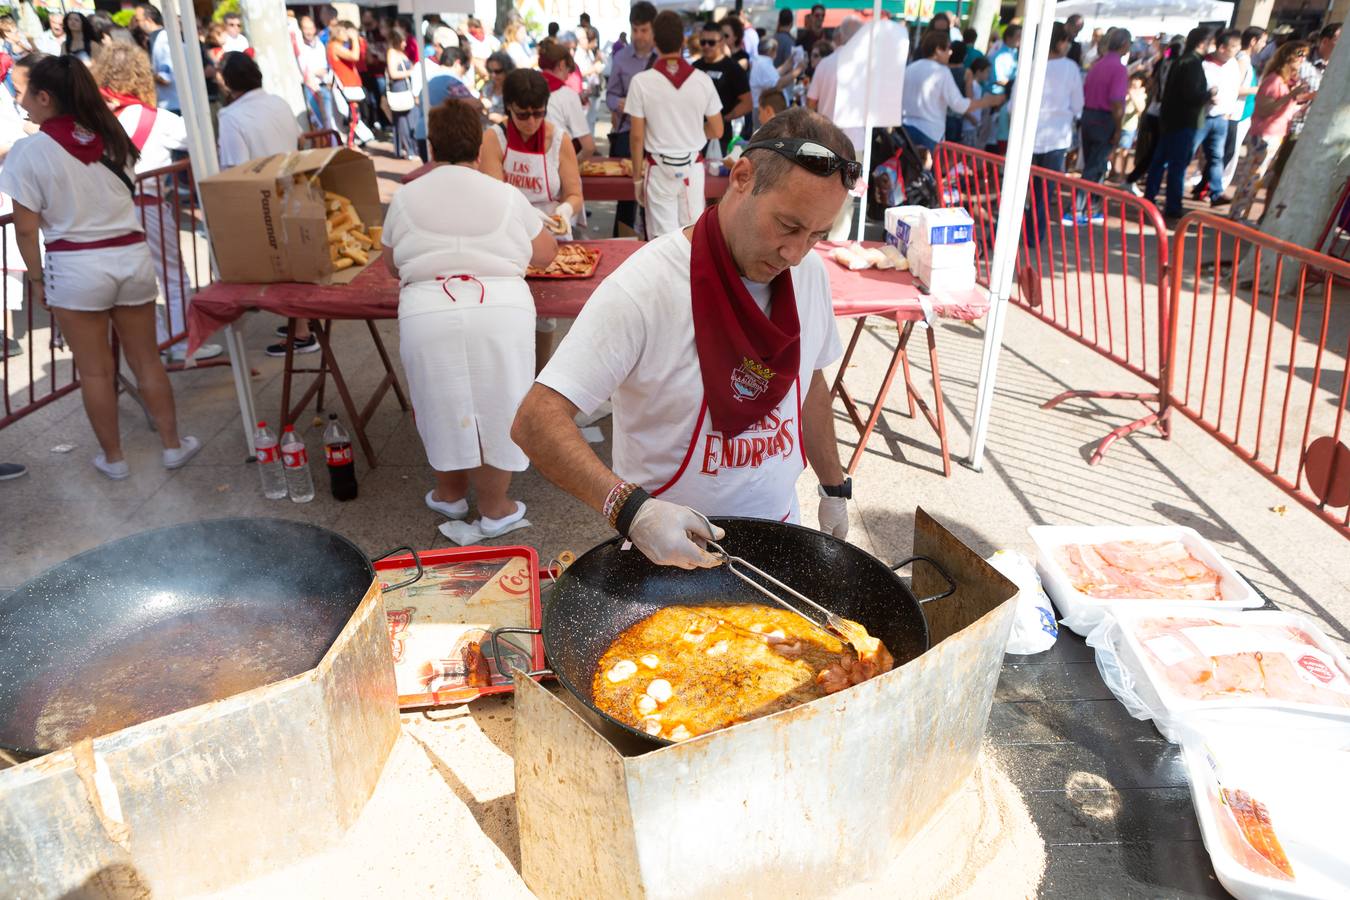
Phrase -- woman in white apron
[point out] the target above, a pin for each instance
(535, 157)
(465, 317)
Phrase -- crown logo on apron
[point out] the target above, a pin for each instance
(750, 379)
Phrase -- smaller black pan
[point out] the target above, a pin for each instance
(608, 589)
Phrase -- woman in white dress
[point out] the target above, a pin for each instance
(536, 157)
(466, 316)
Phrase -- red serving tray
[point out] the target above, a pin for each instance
(565, 277)
(407, 607)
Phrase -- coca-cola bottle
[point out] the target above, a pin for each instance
(337, 448)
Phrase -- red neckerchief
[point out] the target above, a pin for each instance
(675, 69)
(475, 33)
(748, 361)
(514, 140)
(553, 82)
(78, 141)
(120, 101)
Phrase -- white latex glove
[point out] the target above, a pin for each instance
(832, 514)
(565, 212)
(640, 191)
(665, 533)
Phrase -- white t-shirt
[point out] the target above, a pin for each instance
(484, 48)
(929, 94)
(824, 89)
(1227, 79)
(74, 201)
(167, 134)
(256, 124)
(426, 242)
(1061, 105)
(634, 342)
(564, 111)
(235, 44)
(674, 118)
(313, 58)
(763, 76)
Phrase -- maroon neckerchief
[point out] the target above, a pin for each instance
(749, 361)
(78, 141)
(553, 82)
(675, 69)
(514, 140)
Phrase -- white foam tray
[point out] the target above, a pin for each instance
(1082, 613)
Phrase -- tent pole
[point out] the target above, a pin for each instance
(867, 123)
(1026, 100)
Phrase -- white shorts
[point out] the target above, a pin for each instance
(98, 280)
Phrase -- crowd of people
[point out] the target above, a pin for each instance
(510, 120)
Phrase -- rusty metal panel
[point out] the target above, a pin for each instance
(823, 795)
(980, 587)
(576, 832)
(209, 796)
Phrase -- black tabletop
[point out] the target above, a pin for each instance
(1107, 791)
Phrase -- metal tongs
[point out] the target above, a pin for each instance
(849, 630)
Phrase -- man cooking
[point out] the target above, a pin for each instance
(711, 341)
(674, 110)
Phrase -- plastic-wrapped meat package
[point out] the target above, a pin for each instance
(1156, 570)
(1203, 659)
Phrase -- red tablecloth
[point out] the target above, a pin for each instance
(595, 188)
(374, 295)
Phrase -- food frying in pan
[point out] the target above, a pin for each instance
(688, 670)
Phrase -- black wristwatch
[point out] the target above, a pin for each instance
(844, 490)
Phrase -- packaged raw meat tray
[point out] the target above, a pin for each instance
(1272, 829)
(1089, 569)
(1187, 668)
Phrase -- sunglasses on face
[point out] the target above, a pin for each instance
(814, 158)
(494, 71)
(529, 113)
(710, 43)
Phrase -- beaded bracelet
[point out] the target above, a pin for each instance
(612, 504)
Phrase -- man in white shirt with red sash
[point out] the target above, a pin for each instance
(675, 111)
(710, 340)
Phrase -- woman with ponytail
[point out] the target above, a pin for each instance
(72, 182)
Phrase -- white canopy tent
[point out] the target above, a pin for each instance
(1145, 17)
(1026, 106)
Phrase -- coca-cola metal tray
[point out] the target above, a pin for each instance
(439, 626)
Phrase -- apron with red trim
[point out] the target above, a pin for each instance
(525, 165)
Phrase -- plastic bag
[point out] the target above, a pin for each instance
(1034, 629)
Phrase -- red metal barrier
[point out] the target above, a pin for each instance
(1102, 282)
(1259, 356)
(44, 371)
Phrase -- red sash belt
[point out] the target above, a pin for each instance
(125, 240)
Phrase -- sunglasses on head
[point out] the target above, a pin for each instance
(813, 157)
(529, 113)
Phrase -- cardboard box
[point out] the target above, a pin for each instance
(944, 226)
(267, 216)
(809, 801)
(943, 268)
(899, 220)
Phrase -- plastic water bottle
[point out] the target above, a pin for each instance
(269, 462)
(295, 460)
(337, 449)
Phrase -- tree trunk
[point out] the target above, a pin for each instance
(265, 22)
(983, 15)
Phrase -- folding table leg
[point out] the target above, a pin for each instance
(840, 390)
(287, 373)
(897, 358)
(938, 404)
(388, 366)
(322, 332)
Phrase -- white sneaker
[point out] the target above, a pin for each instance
(457, 510)
(205, 351)
(116, 471)
(496, 527)
(177, 457)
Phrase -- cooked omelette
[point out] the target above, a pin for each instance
(688, 670)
